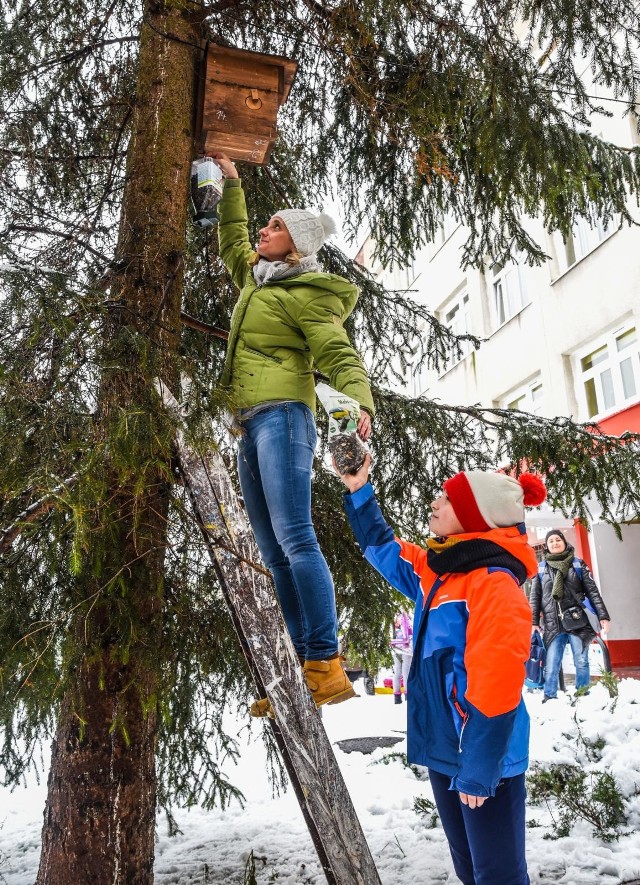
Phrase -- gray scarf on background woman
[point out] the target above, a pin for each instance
(560, 563)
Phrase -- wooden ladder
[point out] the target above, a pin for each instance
(300, 736)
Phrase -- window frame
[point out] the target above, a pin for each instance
(499, 279)
(567, 256)
(612, 363)
(460, 304)
(525, 392)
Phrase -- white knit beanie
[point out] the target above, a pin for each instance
(484, 501)
(308, 231)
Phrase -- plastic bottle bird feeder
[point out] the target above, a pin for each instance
(240, 94)
(206, 191)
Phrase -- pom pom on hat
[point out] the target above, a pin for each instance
(308, 230)
(533, 488)
(484, 501)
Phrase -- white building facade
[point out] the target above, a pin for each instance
(562, 338)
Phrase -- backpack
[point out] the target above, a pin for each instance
(534, 668)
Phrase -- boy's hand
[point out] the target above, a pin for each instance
(472, 801)
(223, 161)
(355, 481)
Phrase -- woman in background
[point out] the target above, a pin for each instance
(401, 652)
(564, 582)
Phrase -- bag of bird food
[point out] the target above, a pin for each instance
(345, 446)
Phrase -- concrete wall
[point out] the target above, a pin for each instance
(618, 574)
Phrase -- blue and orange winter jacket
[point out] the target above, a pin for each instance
(466, 716)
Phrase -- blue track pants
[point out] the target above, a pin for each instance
(486, 843)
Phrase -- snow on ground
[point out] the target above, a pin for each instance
(214, 847)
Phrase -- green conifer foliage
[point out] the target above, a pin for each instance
(405, 111)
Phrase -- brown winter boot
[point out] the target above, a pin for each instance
(261, 708)
(327, 681)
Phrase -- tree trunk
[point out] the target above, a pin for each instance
(100, 812)
(99, 819)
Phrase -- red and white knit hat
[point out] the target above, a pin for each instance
(484, 501)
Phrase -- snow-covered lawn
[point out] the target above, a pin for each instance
(215, 846)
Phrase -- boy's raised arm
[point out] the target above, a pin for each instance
(393, 558)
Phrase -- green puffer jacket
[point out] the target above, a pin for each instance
(283, 330)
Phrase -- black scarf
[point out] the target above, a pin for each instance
(465, 556)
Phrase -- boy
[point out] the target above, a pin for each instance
(466, 720)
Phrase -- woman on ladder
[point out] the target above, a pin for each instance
(287, 321)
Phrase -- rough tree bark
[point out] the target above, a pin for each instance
(100, 813)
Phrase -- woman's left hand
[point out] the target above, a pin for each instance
(604, 627)
(364, 425)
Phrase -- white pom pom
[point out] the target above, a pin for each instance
(328, 224)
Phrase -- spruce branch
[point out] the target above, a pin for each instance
(32, 513)
(35, 153)
(48, 231)
(74, 55)
(193, 323)
(418, 443)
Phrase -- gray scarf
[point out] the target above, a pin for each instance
(267, 271)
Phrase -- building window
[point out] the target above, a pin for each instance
(509, 290)
(456, 316)
(610, 372)
(444, 230)
(634, 121)
(447, 226)
(528, 398)
(584, 238)
(419, 379)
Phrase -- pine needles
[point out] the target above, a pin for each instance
(594, 797)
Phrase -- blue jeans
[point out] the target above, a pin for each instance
(553, 661)
(487, 844)
(275, 456)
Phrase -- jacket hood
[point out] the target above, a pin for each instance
(512, 539)
(324, 282)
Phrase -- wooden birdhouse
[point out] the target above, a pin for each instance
(240, 93)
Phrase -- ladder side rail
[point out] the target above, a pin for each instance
(256, 613)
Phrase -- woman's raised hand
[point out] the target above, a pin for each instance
(364, 425)
(228, 168)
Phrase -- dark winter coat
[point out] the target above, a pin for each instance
(543, 604)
